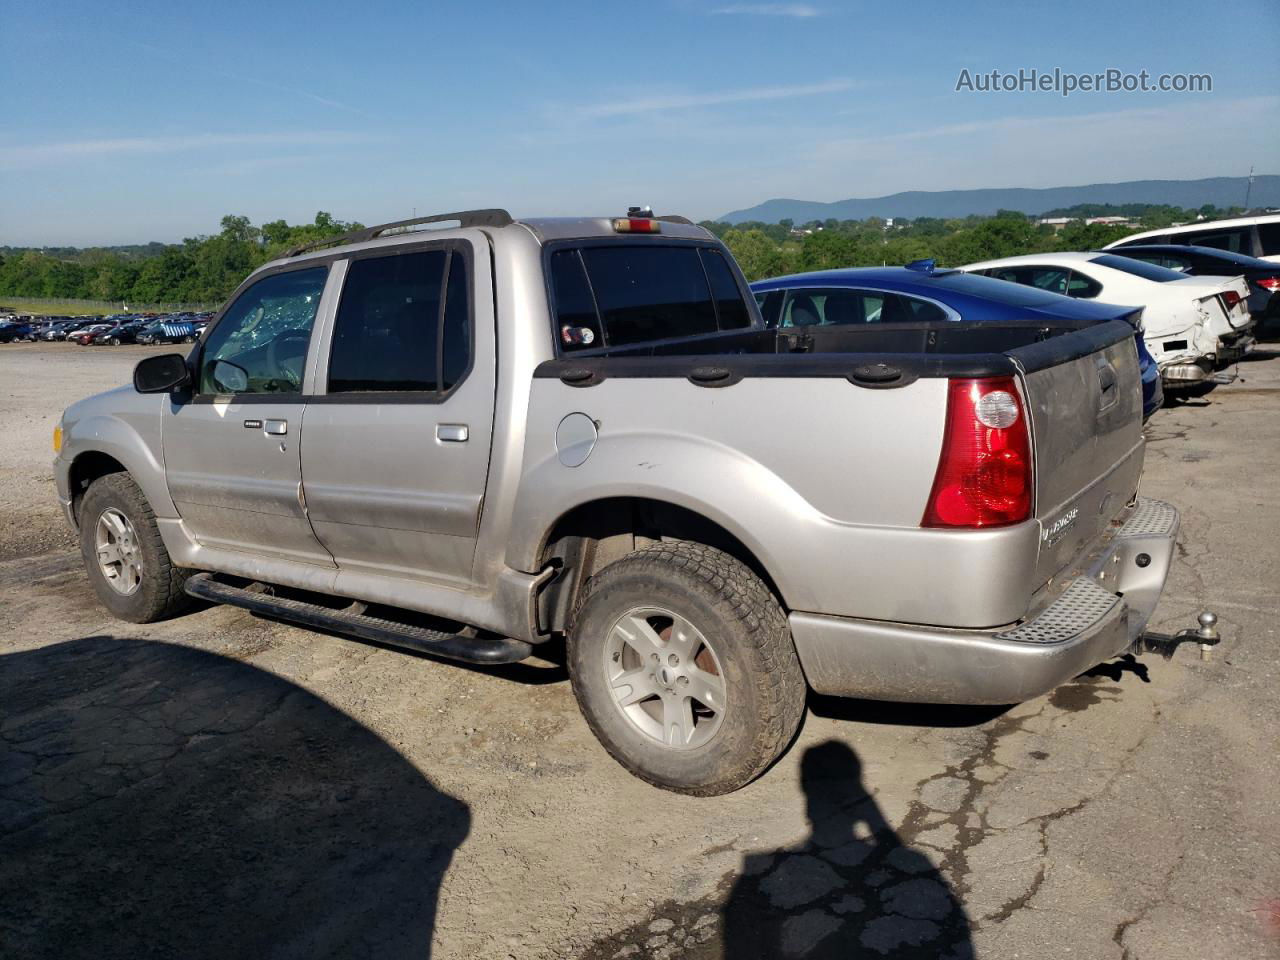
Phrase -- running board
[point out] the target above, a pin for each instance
(451, 646)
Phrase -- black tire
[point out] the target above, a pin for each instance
(114, 341)
(740, 620)
(159, 593)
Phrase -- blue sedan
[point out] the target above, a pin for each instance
(922, 292)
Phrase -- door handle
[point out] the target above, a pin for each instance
(276, 428)
(452, 432)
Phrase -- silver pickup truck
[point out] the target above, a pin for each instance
(469, 435)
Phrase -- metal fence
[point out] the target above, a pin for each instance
(48, 305)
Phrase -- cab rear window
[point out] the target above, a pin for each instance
(620, 294)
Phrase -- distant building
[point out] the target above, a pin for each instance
(1059, 222)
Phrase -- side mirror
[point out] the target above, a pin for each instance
(161, 374)
(230, 377)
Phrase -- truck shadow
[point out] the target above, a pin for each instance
(888, 713)
(157, 800)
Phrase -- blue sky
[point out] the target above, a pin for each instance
(133, 121)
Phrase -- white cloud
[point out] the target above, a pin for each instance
(653, 104)
(26, 155)
(798, 10)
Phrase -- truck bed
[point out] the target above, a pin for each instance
(851, 464)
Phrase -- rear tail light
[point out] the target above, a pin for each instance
(984, 472)
(1269, 283)
(1230, 298)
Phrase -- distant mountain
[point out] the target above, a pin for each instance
(1219, 191)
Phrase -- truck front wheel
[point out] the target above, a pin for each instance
(683, 666)
(127, 562)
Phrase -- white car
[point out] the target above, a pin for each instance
(1252, 236)
(1192, 325)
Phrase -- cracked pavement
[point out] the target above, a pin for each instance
(223, 785)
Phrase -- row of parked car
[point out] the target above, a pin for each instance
(1195, 309)
(107, 331)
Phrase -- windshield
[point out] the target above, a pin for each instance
(1139, 268)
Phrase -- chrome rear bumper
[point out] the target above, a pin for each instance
(1102, 611)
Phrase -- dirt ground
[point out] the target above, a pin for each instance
(226, 786)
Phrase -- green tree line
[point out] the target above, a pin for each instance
(776, 249)
(206, 269)
(199, 270)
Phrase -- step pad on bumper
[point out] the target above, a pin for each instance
(1150, 518)
(1081, 605)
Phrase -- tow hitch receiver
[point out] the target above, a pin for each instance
(1165, 644)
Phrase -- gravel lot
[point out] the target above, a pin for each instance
(223, 785)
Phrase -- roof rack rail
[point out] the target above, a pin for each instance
(674, 218)
(467, 218)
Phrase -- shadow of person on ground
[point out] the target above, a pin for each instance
(851, 889)
(157, 800)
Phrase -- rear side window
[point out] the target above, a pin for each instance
(1237, 241)
(621, 294)
(1051, 279)
(832, 306)
(1082, 287)
(922, 310)
(455, 338)
(394, 333)
(1269, 239)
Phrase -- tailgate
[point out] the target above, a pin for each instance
(1086, 422)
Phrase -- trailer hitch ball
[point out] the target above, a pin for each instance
(1208, 633)
(1167, 644)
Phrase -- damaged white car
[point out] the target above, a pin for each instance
(1193, 326)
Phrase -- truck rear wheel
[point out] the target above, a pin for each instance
(127, 562)
(683, 666)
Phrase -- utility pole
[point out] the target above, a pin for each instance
(1248, 190)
